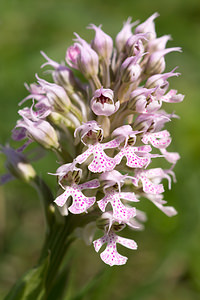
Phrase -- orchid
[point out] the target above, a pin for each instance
(105, 131)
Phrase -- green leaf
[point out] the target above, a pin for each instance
(59, 286)
(91, 285)
(32, 285)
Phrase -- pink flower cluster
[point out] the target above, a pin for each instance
(108, 130)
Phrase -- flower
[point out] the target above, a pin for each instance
(40, 131)
(110, 255)
(102, 43)
(147, 178)
(121, 213)
(81, 203)
(17, 165)
(123, 36)
(82, 57)
(102, 102)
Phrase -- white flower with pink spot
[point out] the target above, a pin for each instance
(80, 203)
(110, 255)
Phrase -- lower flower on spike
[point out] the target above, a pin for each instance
(81, 203)
(121, 213)
(110, 255)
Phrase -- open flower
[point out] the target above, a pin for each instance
(80, 203)
(121, 213)
(102, 102)
(110, 255)
(150, 180)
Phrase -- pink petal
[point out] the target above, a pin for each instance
(60, 200)
(128, 196)
(151, 188)
(158, 139)
(101, 162)
(81, 204)
(127, 243)
(110, 255)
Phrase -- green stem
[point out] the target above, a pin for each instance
(46, 198)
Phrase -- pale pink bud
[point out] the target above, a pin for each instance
(134, 44)
(56, 95)
(124, 34)
(148, 26)
(130, 69)
(17, 164)
(160, 82)
(156, 61)
(158, 44)
(82, 57)
(102, 102)
(40, 131)
(102, 43)
(72, 54)
(62, 75)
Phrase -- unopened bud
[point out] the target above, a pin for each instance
(130, 70)
(124, 35)
(56, 96)
(148, 27)
(40, 131)
(18, 165)
(102, 43)
(84, 58)
(156, 61)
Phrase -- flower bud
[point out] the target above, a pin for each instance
(56, 95)
(82, 57)
(158, 44)
(62, 75)
(148, 27)
(160, 82)
(156, 61)
(102, 102)
(124, 35)
(18, 165)
(40, 131)
(130, 70)
(102, 43)
(134, 45)
(71, 57)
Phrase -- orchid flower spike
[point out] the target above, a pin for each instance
(103, 117)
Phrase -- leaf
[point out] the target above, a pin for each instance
(91, 285)
(32, 285)
(59, 287)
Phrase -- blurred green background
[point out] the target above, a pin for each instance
(167, 263)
